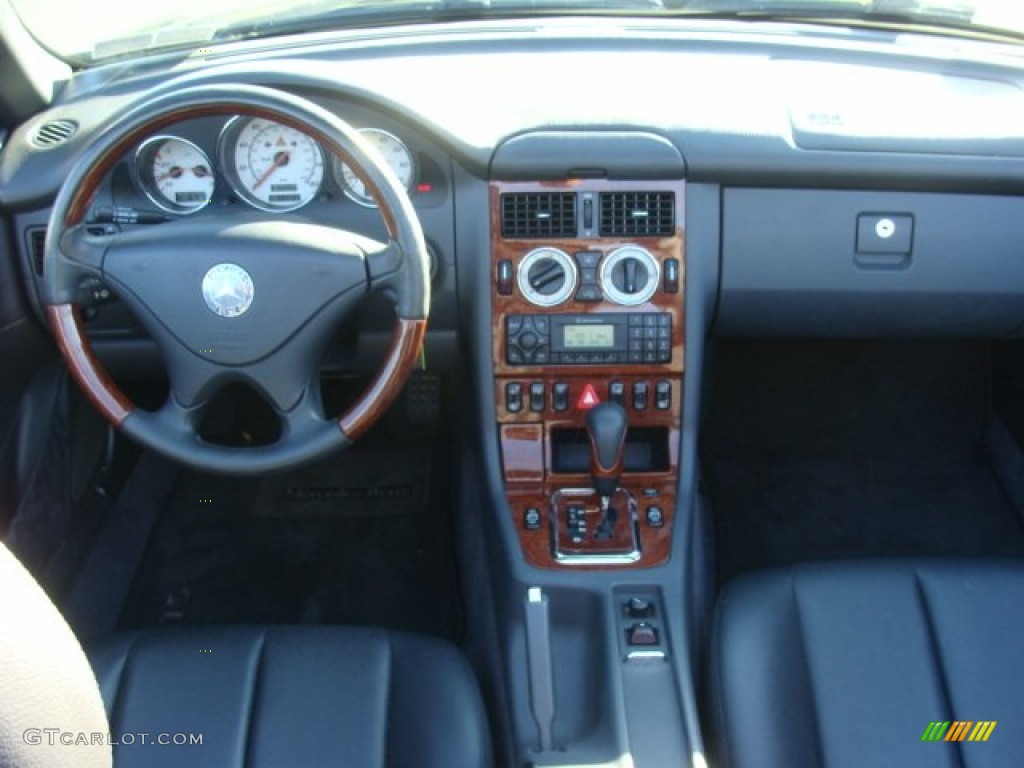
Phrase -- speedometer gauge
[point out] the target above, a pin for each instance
(269, 165)
(175, 174)
(395, 154)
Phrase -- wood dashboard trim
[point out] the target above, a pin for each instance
(525, 436)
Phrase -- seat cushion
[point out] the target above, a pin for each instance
(290, 697)
(849, 664)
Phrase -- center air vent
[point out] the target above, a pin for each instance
(54, 132)
(538, 214)
(638, 214)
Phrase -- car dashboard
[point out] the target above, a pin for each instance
(600, 197)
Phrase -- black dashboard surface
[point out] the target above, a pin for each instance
(744, 102)
(737, 105)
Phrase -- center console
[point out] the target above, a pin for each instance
(588, 348)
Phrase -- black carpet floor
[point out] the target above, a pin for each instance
(362, 538)
(828, 450)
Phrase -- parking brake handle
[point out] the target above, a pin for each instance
(538, 656)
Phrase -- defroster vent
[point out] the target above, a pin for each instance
(639, 214)
(538, 214)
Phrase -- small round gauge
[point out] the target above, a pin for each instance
(175, 174)
(269, 165)
(395, 154)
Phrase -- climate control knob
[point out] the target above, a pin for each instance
(547, 277)
(630, 275)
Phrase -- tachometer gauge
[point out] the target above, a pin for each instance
(394, 152)
(269, 165)
(175, 174)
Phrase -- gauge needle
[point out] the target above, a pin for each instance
(281, 158)
(174, 173)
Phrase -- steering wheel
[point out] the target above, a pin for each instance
(235, 298)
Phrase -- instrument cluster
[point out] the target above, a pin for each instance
(270, 166)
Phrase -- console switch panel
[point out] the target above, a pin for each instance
(642, 624)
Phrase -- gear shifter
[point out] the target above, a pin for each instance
(606, 428)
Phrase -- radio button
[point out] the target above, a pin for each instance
(650, 357)
(636, 319)
(650, 321)
(542, 356)
(665, 320)
(636, 332)
(528, 340)
(636, 357)
(540, 324)
(514, 356)
(514, 324)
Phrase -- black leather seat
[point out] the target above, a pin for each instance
(290, 697)
(848, 664)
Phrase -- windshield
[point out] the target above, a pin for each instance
(84, 33)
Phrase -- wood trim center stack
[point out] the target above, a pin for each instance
(587, 296)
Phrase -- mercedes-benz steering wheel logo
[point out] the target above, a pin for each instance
(228, 290)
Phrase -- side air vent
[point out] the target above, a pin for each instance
(54, 132)
(640, 214)
(538, 214)
(36, 245)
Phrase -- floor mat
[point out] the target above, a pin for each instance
(362, 538)
(827, 450)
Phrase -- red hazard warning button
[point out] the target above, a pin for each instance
(588, 398)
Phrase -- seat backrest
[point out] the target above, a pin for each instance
(51, 713)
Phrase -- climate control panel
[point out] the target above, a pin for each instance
(627, 276)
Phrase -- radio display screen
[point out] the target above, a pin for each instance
(589, 336)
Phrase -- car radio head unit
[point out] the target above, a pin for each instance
(594, 338)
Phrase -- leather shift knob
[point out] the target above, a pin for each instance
(606, 429)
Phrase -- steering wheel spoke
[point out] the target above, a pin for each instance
(181, 420)
(84, 247)
(304, 418)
